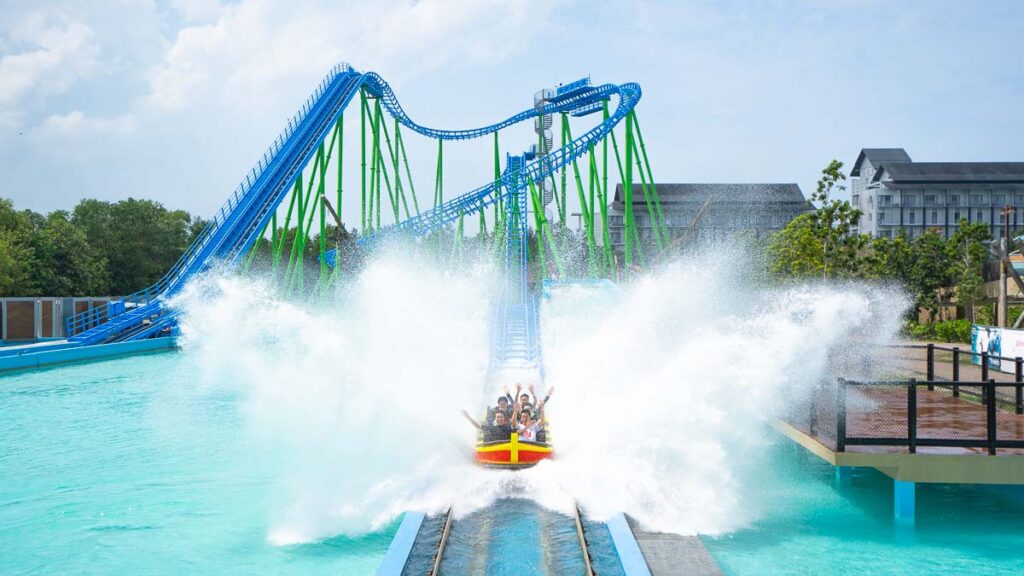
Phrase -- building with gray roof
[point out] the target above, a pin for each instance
(711, 212)
(897, 193)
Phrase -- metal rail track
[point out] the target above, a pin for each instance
(436, 568)
(583, 540)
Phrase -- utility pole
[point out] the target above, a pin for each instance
(1004, 260)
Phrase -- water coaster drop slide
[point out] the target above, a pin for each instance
(519, 190)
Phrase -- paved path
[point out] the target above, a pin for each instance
(674, 555)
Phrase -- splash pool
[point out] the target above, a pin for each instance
(129, 467)
(132, 466)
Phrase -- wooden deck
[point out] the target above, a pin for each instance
(881, 412)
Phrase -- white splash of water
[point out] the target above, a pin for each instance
(357, 400)
(662, 391)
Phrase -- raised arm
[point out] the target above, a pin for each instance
(542, 403)
(471, 420)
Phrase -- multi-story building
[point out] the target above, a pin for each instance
(896, 193)
(712, 211)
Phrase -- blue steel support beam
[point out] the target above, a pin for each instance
(235, 227)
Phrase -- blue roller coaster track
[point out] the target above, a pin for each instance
(247, 212)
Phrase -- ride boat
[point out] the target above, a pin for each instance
(512, 453)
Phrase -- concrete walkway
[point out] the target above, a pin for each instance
(674, 555)
(912, 362)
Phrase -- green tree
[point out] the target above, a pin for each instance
(15, 264)
(17, 258)
(967, 255)
(929, 270)
(821, 242)
(140, 239)
(796, 251)
(65, 265)
(891, 258)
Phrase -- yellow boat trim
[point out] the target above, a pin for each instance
(513, 446)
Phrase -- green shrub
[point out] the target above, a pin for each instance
(984, 315)
(953, 331)
(918, 331)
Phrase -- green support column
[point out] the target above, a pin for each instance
(592, 257)
(341, 137)
(650, 178)
(408, 173)
(273, 234)
(498, 246)
(379, 159)
(562, 206)
(627, 191)
(321, 191)
(609, 252)
(439, 191)
(648, 194)
(298, 243)
(538, 218)
(362, 157)
(439, 179)
(297, 190)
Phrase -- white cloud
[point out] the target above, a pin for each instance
(256, 45)
(59, 54)
(197, 10)
(76, 122)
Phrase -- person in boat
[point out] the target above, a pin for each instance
(500, 429)
(505, 404)
(530, 426)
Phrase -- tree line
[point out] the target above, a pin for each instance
(821, 244)
(98, 249)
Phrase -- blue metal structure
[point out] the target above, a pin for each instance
(514, 332)
(234, 229)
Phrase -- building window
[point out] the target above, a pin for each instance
(935, 216)
(956, 216)
(881, 217)
(976, 200)
(913, 217)
(999, 199)
(929, 200)
(979, 217)
(884, 201)
(909, 200)
(954, 200)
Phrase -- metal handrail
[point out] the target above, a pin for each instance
(77, 324)
(912, 439)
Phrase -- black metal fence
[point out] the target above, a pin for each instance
(1014, 393)
(911, 414)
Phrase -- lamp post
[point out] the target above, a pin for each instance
(1004, 259)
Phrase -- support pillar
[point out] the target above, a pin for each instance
(843, 474)
(37, 319)
(903, 494)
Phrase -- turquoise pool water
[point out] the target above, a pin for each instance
(125, 467)
(813, 525)
(129, 467)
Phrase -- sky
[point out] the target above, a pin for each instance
(175, 100)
